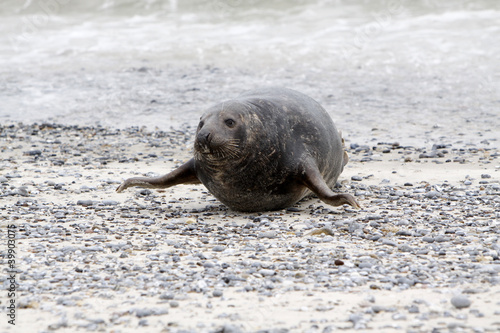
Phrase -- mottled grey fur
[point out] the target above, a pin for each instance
(264, 150)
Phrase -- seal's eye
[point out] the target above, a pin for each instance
(200, 125)
(230, 122)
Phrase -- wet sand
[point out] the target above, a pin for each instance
(424, 244)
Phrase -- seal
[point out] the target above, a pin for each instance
(263, 151)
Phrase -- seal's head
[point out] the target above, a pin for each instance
(221, 134)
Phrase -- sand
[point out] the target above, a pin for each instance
(176, 260)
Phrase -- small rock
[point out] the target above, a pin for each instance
(441, 238)
(428, 239)
(140, 313)
(167, 296)
(403, 233)
(389, 242)
(338, 262)
(378, 308)
(398, 316)
(36, 152)
(432, 194)
(229, 328)
(22, 191)
(473, 291)
(218, 248)
(460, 301)
(324, 231)
(267, 234)
(413, 309)
(84, 203)
(267, 272)
(109, 202)
(145, 192)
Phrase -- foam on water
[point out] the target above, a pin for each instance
(60, 57)
(322, 34)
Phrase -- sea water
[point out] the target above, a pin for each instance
(159, 63)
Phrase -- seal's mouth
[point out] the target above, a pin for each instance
(217, 149)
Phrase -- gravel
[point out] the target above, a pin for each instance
(143, 258)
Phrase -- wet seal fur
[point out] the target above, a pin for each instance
(263, 151)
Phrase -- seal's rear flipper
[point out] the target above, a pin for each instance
(311, 177)
(184, 174)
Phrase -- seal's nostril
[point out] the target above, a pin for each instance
(203, 137)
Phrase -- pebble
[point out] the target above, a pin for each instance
(218, 248)
(432, 194)
(428, 239)
(146, 312)
(323, 231)
(389, 242)
(267, 272)
(358, 321)
(441, 238)
(460, 301)
(84, 202)
(109, 202)
(413, 309)
(145, 192)
(167, 296)
(398, 316)
(35, 152)
(22, 191)
(217, 293)
(267, 234)
(403, 233)
(230, 328)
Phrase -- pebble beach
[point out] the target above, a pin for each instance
(422, 255)
(95, 92)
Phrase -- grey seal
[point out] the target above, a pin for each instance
(262, 151)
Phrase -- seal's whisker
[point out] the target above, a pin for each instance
(219, 149)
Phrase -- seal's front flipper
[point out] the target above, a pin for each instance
(312, 178)
(184, 174)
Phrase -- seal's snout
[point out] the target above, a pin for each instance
(203, 141)
(204, 138)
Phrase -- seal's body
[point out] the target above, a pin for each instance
(264, 150)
